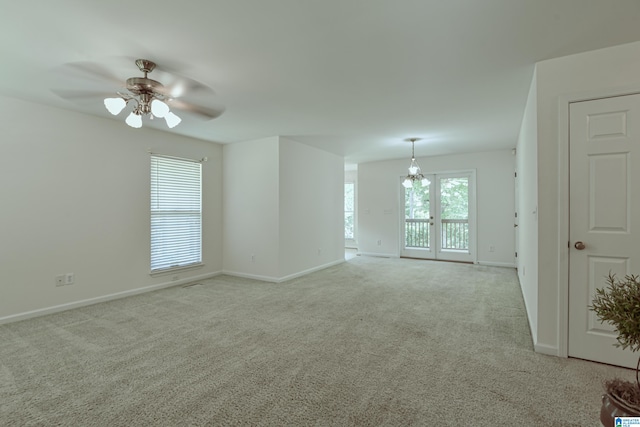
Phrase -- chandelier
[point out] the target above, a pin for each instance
(415, 174)
(148, 95)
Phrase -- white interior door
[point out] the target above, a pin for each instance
(604, 208)
(440, 217)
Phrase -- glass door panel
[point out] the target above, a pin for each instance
(453, 217)
(454, 213)
(418, 220)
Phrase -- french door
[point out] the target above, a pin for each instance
(439, 218)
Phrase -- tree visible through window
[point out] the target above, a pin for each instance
(416, 210)
(454, 213)
(176, 213)
(349, 210)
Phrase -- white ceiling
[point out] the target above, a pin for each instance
(353, 77)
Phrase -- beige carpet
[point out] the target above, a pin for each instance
(391, 342)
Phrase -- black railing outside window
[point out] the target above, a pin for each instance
(455, 233)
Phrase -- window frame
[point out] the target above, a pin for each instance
(175, 214)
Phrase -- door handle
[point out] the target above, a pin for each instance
(579, 246)
(515, 225)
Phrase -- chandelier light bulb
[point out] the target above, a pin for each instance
(134, 120)
(413, 168)
(407, 183)
(425, 182)
(115, 105)
(159, 108)
(172, 119)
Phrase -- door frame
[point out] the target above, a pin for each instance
(473, 214)
(516, 219)
(563, 242)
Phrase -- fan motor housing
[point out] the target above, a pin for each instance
(139, 85)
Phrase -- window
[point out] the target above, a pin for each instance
(176, 213)
(349, 206)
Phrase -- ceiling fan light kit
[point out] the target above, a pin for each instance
(415, 174)
(148, 95)
(172, 120)
(115, 105)
(159, 108)
(134, 120)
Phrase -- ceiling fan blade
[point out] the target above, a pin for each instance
(79, 95)
(91, 70)
(205, 113)
(176, 86)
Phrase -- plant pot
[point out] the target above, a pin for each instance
(613, 406)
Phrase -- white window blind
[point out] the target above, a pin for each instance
(176, 213)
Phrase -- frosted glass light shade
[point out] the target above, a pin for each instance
(159, 108)
(413, 167)
(134, 120)
(425, 182)
(115, 105)
(407, 183)
(172, 119)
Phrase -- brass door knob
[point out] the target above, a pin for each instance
(579, 246)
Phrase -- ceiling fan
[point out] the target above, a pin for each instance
(149, 97)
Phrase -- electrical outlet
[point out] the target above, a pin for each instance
(319, 251)
(60, 280)
(492, 248)
(253, 258)
(69, 278)
(379, 242)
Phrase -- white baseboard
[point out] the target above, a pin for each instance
(497, 264)
(104, 298)
(283, 278)
(251, 276)
(311, 270)
(378, 255)
(546, 349)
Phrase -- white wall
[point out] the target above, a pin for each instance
(250, 205)
(379, 193)
(598, 73)
(311, 208)
(283, 205)
(75, 199)
(527, 167)
(377, 207)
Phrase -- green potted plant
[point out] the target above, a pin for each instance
(619, 304)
